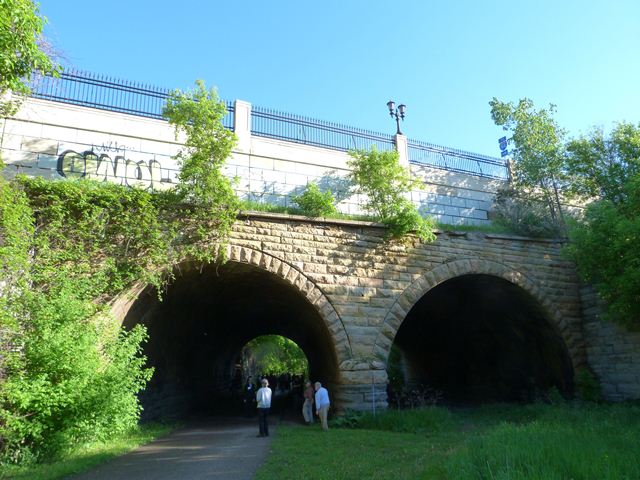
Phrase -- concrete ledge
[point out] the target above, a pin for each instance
(249, 214)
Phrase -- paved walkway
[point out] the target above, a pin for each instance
(220, 448)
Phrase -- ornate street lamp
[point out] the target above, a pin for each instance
(398, 113)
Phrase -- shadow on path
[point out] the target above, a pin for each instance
(214, 448)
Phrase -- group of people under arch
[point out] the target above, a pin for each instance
(313, 398)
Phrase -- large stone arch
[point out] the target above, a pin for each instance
(282, 269)
(195, 357)
(469, 266)
(307, 288)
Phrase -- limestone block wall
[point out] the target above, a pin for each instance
(454, 198)
(369, 285)
(58, 140)
(613, 352)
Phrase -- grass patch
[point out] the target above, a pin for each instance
(579, 441)
(344, 454)
(87, 456)
(250, 205)
(253, 206)
(489, 228)
(426, 421)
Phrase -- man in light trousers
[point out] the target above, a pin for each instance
(322, 404)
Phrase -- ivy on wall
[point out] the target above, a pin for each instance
(70, 372)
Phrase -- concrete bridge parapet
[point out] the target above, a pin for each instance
(59, 140)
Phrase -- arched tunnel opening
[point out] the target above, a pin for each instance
(198, 330)
(478, 339)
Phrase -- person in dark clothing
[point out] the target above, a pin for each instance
(248, 397)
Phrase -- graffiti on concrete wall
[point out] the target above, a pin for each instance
(109, 163)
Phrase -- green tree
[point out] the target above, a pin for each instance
(21, 52)
(16, 231)
(601, 166)
(315, 203)
(203, 187)
(275, 355)
(605, 242)
(538, 151)
(601, 170)
(386, 184)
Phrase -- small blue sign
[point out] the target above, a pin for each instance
(504, 153)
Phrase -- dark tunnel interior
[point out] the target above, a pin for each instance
(199, 328)
(481, 339)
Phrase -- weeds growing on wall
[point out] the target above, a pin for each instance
(386, 184)
(315, 203)
(209, 205)
(524, 214)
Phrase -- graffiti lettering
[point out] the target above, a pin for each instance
(143, 174)
(110, 147)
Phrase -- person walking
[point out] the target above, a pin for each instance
(263, 397)
(307, 406)
(322, 404)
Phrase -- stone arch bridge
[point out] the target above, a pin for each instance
(479, 316)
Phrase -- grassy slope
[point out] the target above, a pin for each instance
(88, 456)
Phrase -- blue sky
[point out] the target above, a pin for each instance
(343, 60)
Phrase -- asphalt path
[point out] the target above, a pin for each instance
(219, 448)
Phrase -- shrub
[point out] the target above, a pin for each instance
(71, 373)
(588, 386)
(385, 183)
(315, 203)
(524, 215)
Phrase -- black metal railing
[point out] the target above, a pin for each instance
(451, 159)
(308, 131)
(106, 93)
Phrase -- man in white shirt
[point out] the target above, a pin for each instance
(322, 404)
(263, 397)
